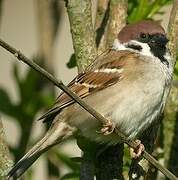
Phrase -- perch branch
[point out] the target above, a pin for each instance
(88, 108)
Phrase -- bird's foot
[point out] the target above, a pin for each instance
(107, 128)
(137, 152)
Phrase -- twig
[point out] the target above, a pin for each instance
(89, 109)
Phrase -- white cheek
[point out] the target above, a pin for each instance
(145, 48)
(123, 46)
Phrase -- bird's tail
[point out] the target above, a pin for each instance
(55, 135)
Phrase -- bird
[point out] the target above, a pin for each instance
(128, 84)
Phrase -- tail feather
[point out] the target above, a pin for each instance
(55, 135)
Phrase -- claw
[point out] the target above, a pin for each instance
(107, 128)
(136, 153)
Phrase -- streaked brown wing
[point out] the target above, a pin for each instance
(102, 75)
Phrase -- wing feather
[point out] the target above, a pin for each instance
(93, 80)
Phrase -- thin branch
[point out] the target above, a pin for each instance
(89, 109)
(5, 161)
(80, 18)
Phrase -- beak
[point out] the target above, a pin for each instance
(160, 40)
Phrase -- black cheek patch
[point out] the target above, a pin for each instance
(135, 47)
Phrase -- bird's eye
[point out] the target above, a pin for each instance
(144, 37)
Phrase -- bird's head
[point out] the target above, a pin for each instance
(146, 37)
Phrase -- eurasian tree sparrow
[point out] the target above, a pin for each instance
(128, 84)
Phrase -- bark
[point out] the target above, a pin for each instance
(111, 18)
(5, 160)
(80, 17)
(101, 24)
(173, 30)
(117, 19)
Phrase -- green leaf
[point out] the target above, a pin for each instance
(72, 62)
(144, 9)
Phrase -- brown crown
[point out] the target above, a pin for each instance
(133, 31)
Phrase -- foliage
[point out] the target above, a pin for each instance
(145, 9)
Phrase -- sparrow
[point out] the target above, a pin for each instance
(128, 84)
